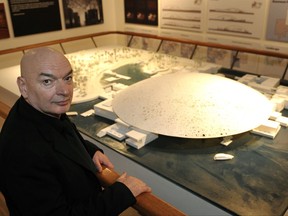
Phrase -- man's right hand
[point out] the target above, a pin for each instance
(135, 185)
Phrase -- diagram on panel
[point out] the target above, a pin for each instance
(236, 18)
(182, 15)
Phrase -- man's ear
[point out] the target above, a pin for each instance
(21, 82)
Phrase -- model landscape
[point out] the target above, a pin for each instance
(186, 104)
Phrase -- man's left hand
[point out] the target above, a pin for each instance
(100, 159)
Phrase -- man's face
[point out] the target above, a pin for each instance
(49, 86)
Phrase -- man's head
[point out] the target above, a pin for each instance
(46, 81)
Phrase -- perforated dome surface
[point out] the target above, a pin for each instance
(192, 105)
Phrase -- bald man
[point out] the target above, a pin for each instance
(46, 167)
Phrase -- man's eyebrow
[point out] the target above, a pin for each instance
(69, 73)
(54, 77)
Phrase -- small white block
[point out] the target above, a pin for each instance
(227, 140)
(116, 131)
(268, 129)
(123, 76)
(282, 90)
(283, 121)
(102, 133)
(115, 134)
(107, 103)
(134, 143)
(111, 79)
(72, 113)
(275, 115)
(87, 113)
(119, 86)
(271, 82)
(137, 136)
(223, 156)
(279, 104)
(105, 110)
(282, 97)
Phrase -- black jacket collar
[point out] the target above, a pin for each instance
(53, 129)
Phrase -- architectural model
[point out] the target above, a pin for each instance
(190, 102)
(94, 70)
(181, 106)
(192, 105)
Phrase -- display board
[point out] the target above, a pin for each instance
(184, 15)
(4, 31)
(239, 18)
(141, 12)
(31, 17)
(82, 13)
(277, 24)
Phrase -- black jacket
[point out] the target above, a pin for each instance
(42, 173)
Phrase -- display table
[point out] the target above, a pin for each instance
(254, 182)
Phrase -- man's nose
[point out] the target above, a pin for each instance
(62, 87)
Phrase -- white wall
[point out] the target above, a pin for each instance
(202, 36)
(114, 20)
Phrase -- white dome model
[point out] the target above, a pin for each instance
(192, 105)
